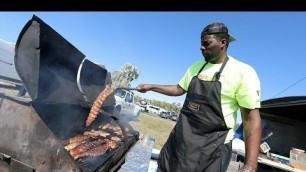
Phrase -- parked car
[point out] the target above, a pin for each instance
(174, 117)
(164, 115)
(8, 72)
(167, 115)
(144, 105)
(125, 103)
(153, 109)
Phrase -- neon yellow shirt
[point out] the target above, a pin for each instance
(240, 86)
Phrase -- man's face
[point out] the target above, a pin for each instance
(211, 47)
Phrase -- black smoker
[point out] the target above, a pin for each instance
(31, 131)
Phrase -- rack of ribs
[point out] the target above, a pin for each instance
(75, 141)
(93, 142)
(94, 111)
(96, 133)
(99, 150)
(112, 128)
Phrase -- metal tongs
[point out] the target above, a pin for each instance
(125, 88)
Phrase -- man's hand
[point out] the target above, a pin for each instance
(246, 168)
(143, 88)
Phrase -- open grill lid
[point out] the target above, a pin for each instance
(48, 64)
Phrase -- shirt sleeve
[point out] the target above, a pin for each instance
(184, 82)
(248, 93)
(190, 73)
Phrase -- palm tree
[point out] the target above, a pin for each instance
(124, 76)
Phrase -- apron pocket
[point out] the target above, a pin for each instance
(187, 152)
(212, 150)
(214, 143)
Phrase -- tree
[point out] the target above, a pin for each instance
(124, 76)
(128, 73)
(137, 98)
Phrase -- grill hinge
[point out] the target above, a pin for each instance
(5, 158)
(14, 164)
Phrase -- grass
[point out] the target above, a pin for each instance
(154, 126)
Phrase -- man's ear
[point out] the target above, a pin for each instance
(223, 42)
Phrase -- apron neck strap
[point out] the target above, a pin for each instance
(218, 74)
(202, 68)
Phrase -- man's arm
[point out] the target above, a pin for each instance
(170, 90)
(252, 137)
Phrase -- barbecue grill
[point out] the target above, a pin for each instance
(34, 131)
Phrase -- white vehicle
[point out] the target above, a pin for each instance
(144, 105)
(8, 72)
(125, 104)
(153, 109)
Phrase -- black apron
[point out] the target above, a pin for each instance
(197, 141)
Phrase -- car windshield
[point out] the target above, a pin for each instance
(120, 93)
(142, 102)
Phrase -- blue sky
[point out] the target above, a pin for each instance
(163, 44)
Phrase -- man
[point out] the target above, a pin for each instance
(216, 88)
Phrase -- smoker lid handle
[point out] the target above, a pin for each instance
(79, 83)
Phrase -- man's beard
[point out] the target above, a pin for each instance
(211, 57)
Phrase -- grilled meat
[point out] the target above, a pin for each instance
(86, 146)
(118, 132)
(77, 138)
(129, 135)
(80, 139)
(116, 138)
(73, 145)
(92, 143)
(99, 150)
(114, 129)
(106, 126)
(112, 144)
(94, 133)
(94, 111)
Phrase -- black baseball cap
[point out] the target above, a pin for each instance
(215, 28)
